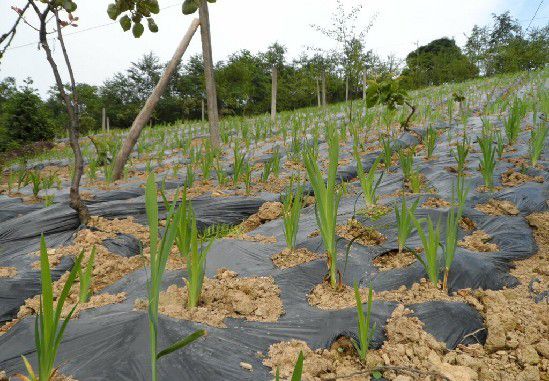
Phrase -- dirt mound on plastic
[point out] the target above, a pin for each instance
(8, 272)
(267, 212)
(478, 241)
(511, 178)
(435, 202)
(498, 208)
(393, 260)
(254, 299)
(364, 235)
(290, 258)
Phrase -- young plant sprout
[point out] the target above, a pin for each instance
(404, 221)
(406, 160)
(452, 223)
(537, 142)
(487, 160)
(368, 181)
(196, 262)
(238, 164)
(415, 181)
(292, 205)
(220, 173)
(159, 253)
(387, 151)
(461, 153)
(365, 329)
(431, 141)
(431, 242)
(512, 123)
(327, 200)
(85, 278)
(500, 145)
(48, 328)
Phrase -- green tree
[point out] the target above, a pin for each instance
(24, 119)
(437, 62)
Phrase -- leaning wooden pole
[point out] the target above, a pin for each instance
(274, 91)
(145, 114)
(211, 92)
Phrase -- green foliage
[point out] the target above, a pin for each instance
(431, 141)
(452, 223)
(133, 12)
(430, 239)
(537, 142)
(406, 160)
(327, 199)
(292, 205)
(298, 369)
(460, 154)
(24, 119)
(368, 181)
(512, 123)
(49, 328)
(404, 217)
(487, 159)
(388, 92)
(365, 329)
(438, 62)
(85, 278)
(159, 253)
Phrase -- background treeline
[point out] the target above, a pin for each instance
(244, 81)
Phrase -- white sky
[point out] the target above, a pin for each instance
(249, 24)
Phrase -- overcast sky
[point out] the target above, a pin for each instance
(100, 48)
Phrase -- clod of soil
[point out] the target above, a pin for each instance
(435, 202)
(290, 258)
(478, 241)
(364, 235)
(253, 238)
(8, 272)
(254, 299)
(467, 224)
(393, 259)
(511, 178)
(267, 212)
(375, 211)
(320, 364)
(498, 208)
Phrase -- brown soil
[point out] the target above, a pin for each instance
(290, 258)
(467, 224)
(255, 299)
(478, 241)
(367, 235)
(374, 211)
(498, 208)
(253, 238)
(435, 202)
(267, 212)
(393, 259)
(511, 178)
(485, 189)
(8, 272)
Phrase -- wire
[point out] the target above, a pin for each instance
(80, 30)
(535, 14)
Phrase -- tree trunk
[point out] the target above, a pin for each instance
(103, 120)
(364, 85)
(319, 101)
(323, 88)
(346, 88)
(71, 105)
(144, 115)
(211, 93)
(203, 106)
(274, 89)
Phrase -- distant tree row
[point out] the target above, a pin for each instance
(244, 81)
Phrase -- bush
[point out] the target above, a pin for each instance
(24, 119)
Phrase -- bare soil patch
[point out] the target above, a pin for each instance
(498, 208)
(479, 241)
(8, 272)
(512, 178)
(364, 235)
(227, 295)
(288, 258)
(393, 259)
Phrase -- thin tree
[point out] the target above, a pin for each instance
(275, 59)
(53, 12)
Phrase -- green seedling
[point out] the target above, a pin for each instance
(431, 141)
(537, 143)
(431, 242)
(85, 276)
(365, 329)
(291, 211)
(404, 218)
(487, 160)
(327, 200)
(368, 181)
